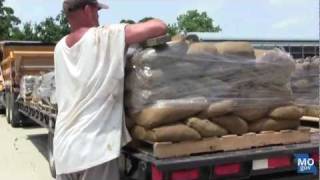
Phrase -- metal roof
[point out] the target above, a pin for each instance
(216, 37)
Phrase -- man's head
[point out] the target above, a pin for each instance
(83, 12)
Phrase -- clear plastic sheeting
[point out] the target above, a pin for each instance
(172, 72)
(305, 81)
(45, 90)
(27, 85)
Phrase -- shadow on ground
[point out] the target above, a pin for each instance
(40, 142)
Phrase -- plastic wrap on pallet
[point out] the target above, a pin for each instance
(27, 85)
(45, 91)
(171, 72)
(305, 81)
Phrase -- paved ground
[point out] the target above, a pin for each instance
(23, 153)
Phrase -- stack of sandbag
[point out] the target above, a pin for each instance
(27, 84)
(44, 91)
(187, 92)
(305, 85)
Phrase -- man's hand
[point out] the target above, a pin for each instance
(137, 33)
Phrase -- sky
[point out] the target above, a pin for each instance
(262, 19)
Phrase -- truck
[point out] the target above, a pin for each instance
(277, 161)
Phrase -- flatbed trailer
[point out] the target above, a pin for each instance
(239, 164)
(273, 162)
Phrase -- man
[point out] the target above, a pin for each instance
(89, 75)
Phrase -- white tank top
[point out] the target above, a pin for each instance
(90, 128)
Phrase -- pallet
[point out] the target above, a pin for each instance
(310, 121)
(47, 108)
(228, 143)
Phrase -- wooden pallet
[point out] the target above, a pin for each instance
(47, 108)
(229, 143)
(310, 121)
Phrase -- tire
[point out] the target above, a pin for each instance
(50, 154)
(16, 116)
(7, 101)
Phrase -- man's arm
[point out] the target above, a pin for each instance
(137, 33)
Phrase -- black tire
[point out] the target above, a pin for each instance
(7, 101)
(50, 154)
(16, 116)
(2, 103)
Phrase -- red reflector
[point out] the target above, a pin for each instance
(193, 174)
(156, 173)
(227, 169)
(278, 162)
(315, 156)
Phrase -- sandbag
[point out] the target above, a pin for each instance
(313, 111)
(233, 124)
(260, 52)
(202, 48)
(169, 111)
(287, 112)
(139, 133)
(173, 133)
(218, 109)
(251, 114)
(269, 124)
(243, 49)
(275, 67)
(206, 128)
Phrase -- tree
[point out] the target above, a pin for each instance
(52, 29)
(27, 33)
(173, 29)
(127, 21)
(8, 21)
(193, 21)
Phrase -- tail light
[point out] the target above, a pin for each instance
(315, 156)
(156, 173)
(227, 169)
(279, 162)
(192, 174)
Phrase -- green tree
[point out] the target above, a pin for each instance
(52, 29)
(27, 33)
(127, 21)
(173, 29)
(193, 21)
(8, 21)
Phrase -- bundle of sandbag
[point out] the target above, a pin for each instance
(305, 84)
(44, 90)
(182, 92)
(27, 84)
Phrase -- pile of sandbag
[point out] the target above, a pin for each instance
(305, 84)
(44, 90)
(39, 89)
(27, 84)
(191, 91)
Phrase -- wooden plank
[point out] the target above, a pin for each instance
(34, 54)
(310, 119)
(231, 143)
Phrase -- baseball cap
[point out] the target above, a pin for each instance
(71, 5)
